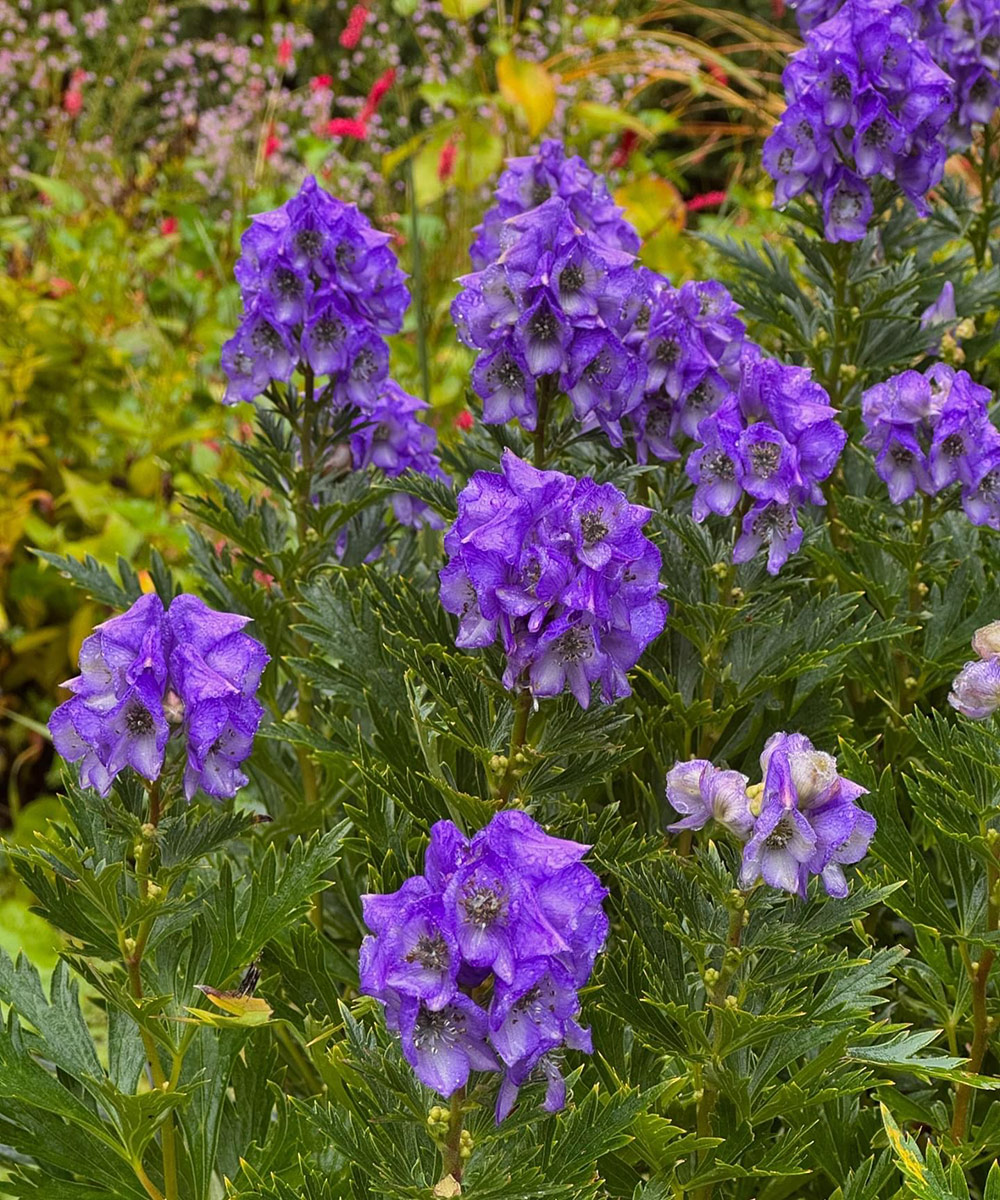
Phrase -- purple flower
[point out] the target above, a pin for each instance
(975, 693)
(319, 286)
(702, 792)
(867, 69)
(809, 823)
(530, 181)
(146, 670)
(560, 571)
(931, 431)
(772, 525)
(514, 909)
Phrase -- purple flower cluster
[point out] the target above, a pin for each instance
(530, 181)
(690, 340)
(865, 98)
(802, 819)
(773, 440)
(477, 962)
(976, 689)
(389, 435)
(561, 570)
(320, 287)
(553, 312)
(933, 430)
(967, 45)
(151, 673)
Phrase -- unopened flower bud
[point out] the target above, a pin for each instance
(848, 372)
(986, 641)
(173, 708)
(732, 1003)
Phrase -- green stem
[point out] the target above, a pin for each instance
(979, 235)
(132, 955)
(522, 711)
(840, 261)
(979, 977)
(418, 289)
(546, 391)
(451, 1152)
(716, 1000)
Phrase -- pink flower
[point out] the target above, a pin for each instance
(706, 200)
(60, 287)
(284, 52)
(379, 89)
(628, 142)
(446, 161)
(351, 34)
(321, 83)
(464, 421)
(168, 226)
(272, 143)
(347, 127)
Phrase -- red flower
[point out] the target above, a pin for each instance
(60, 287)
(351, 34)
(464, 421)
(168, 226)
(320, 83)
(347, 127)
(284, 52)
(73, 97)
(777, 9)
(379, 89)
(626, 145)
(718, 74)
(706, 200)
(446, 161)
(272, 143)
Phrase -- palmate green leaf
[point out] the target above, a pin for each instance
(96, 580)
(138, 1118)
(902, 1053)
(208, 1064)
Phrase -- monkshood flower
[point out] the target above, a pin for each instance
(932, 430)
(865, 98)
(320, 288)
(560, 571)
(809, 823)
(802, 819)
(975, 692)
(691, 342)
(389, 435)
(772, 440)
(478, 961)
(703, 792)
(553, 312)
(150, 675)
(530, 181)
(967, 45)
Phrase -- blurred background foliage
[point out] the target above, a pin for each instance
(137, 137)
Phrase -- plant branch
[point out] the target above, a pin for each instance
(512, 769)
(451, 1152)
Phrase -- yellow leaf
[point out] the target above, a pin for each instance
(242, 1010)
(656, 209)
(462, 10)
(528, 88)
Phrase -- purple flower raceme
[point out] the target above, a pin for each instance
(478, 961)
(975, 692)
(865, 98)
(152, 674)
(933, 430)
(560, 570)
(530, 181)
(552, 314)
(967, 45)
(802, 819)
(773, 440)
(320, 287)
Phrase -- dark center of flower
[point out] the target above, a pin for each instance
(668, 351)
(593, 527)
(991, 47)
(598, 367)
(288, 285)
(431, 952)
(540, 192)
(786, 159)
(642, 317)
(543, 325)
(840, 87)
(719, 465)
(434, 1030)
(575, 645)
(328, 331)
(775, 519)
(309, 242)
(780, 835)
(901, 456)
(847, 204)
(877, 133)
(953, 445)
(571, 278)
(764, 457)
(364, 366)
(990, 485)
(505, 373)
(804, 132)
(658, 422)
(700, 395)
(243, 363)
(265, 338)
(345, 254)
(483, 905)
(138, 720)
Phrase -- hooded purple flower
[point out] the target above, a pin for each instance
(809, 823)
(148, 669)
(319, 286)
(560, 570)
(702, 792)
(975, 693)
(514, 908)
(865, 98)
